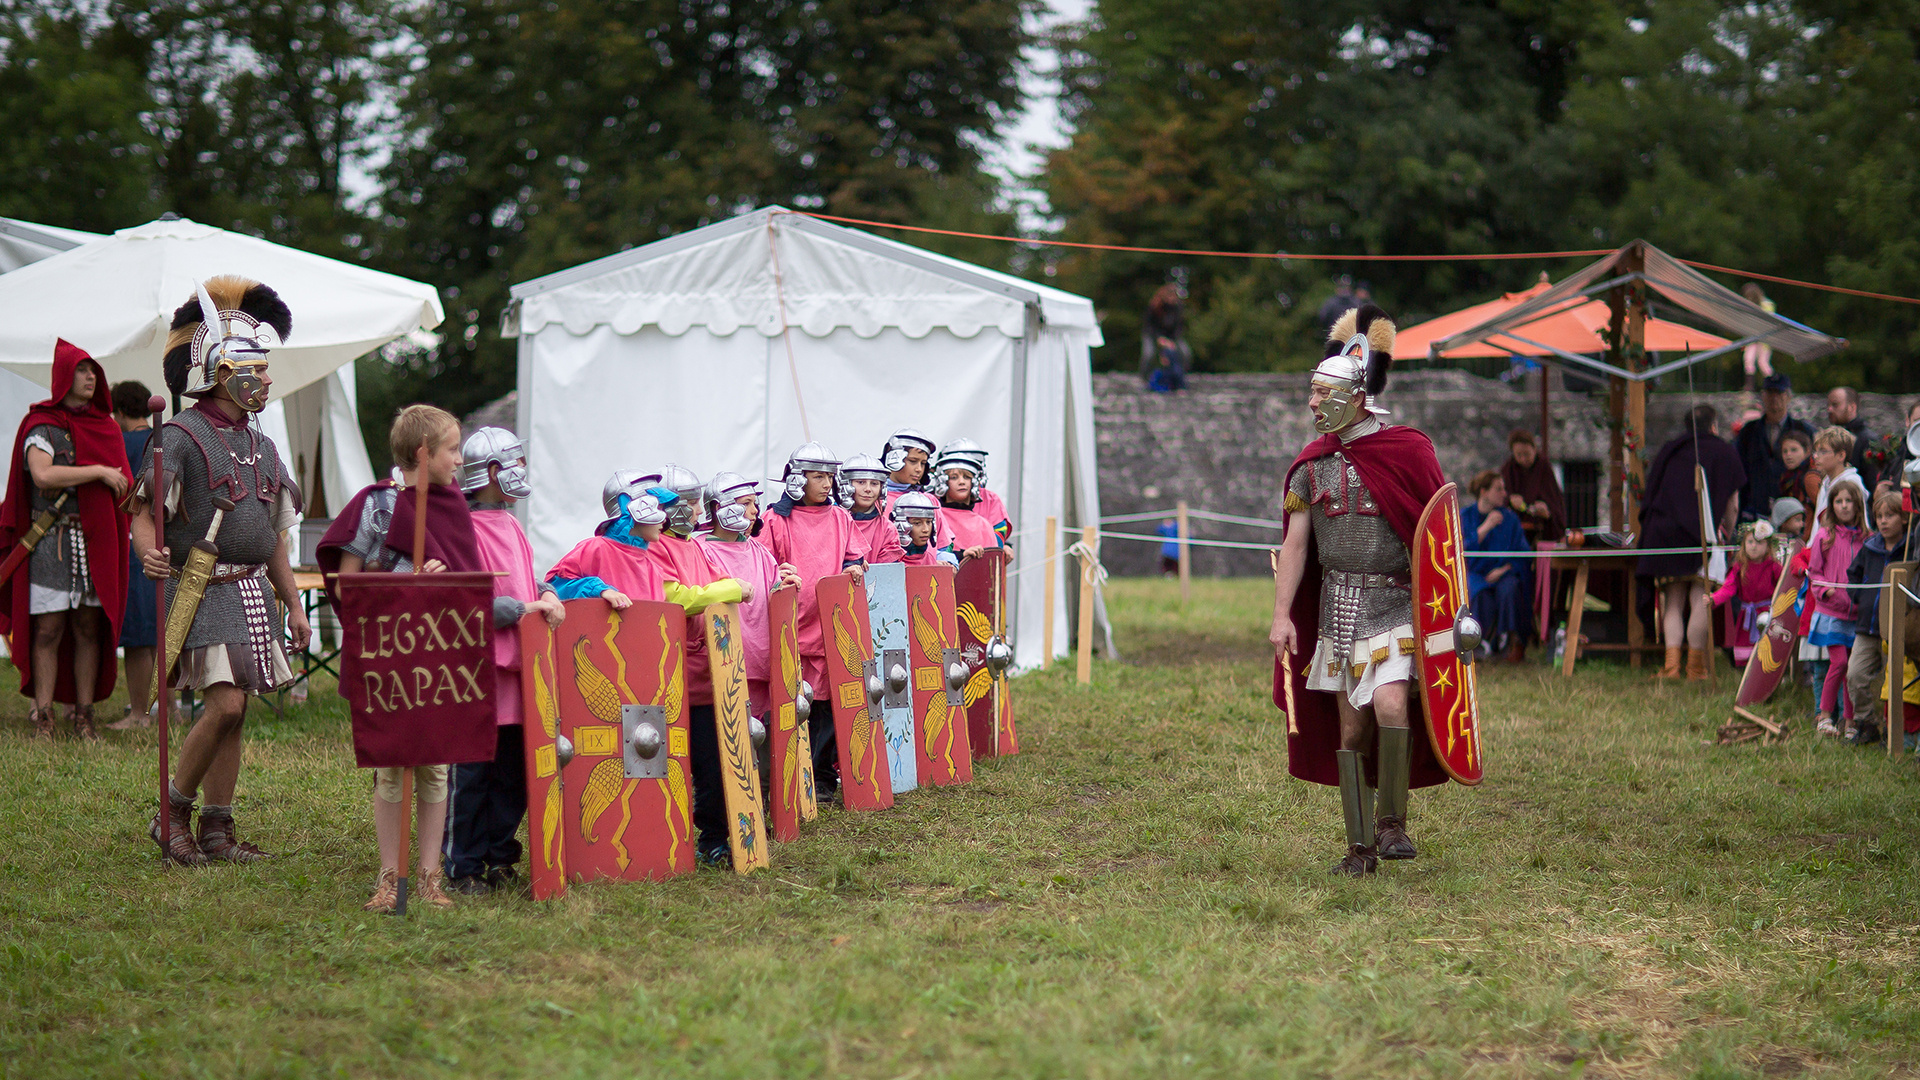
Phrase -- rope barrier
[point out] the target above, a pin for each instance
(1080, 550)
(1307, 257)
(1257, 523)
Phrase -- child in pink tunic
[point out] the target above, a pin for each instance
(1749, 587)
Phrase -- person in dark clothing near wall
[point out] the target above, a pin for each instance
(138, 625)
(1164, 354)
(1758, 442)
(1843, 410)
(1532, 490)
(1670, 518)
(1341, 302)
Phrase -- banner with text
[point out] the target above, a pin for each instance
(417, 669)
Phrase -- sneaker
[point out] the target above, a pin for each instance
(1867, 734)
(718, 856)
(502, 877)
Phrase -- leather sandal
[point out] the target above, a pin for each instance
(1360, 861)
(386, 894)
(83, 723)
(219, 841)
(42, 721)
(180, 848)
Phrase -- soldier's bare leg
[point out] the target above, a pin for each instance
(210, 754)
(219, 839)
(48, 630)
(87, 624)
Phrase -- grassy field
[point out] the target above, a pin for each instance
(1142, 892)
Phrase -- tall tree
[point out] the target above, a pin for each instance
(541, 134)
(72, 151)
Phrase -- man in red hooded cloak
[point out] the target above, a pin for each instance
(1353, 501)
(61, 608)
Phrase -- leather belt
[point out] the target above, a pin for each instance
(228, 573)
(1352, 580)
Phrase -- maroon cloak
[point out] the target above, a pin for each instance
(450, 536)
(1399, 467)
(97, 440)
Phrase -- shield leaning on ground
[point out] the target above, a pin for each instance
(980, 586)
(943, 751)
(790, 750)
(627, 810)
(1774, 650)
(886, 587)
(854, 678)
(1448, 693)
(540, 722)
(733, 719)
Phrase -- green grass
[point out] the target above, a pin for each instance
(1142, 892)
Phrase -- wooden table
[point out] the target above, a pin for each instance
(1604, 559)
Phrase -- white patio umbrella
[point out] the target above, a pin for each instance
(115, 297)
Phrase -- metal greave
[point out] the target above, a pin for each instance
(1356, 801)
(1394, 764)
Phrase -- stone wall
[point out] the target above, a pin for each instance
(1225, 444)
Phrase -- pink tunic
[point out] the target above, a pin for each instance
(929, 556)
(877, 537)
(621, 566)
(1750, 587)
(967, 529)
(819, 541)
(989, 507)
(682, 561)
(751, 563)
(504, 547)
(1829, 563)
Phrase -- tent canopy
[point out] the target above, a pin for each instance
(726, 347)
(1576, 325)
(23, 242)
(115, 297)
(1673, 281)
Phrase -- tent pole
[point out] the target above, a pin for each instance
(1046, 620)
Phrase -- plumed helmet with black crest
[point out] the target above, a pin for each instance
(1358, 353)
(250, 321)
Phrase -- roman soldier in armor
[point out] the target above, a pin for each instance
(224, 484)
(1353, 500)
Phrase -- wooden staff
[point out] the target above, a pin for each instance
(1286, 663)
(406, 774)
(157, 496)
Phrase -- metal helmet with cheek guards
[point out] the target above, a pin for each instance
(643, 507)
(682, 516)
(724, 492)
(894, 454)
(221, 337)
(490, 446)
(1359, 349)
(960, 454)
(812, 457)
(623, 482)
(910, 507)
(859, 467)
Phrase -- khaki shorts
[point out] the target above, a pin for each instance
(429, 783)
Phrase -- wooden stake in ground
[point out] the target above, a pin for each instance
(1089, 536)
(1895, 617)
(1186, 561)
(1046, 619)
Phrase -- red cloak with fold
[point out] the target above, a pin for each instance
(1399, 467)
(97, 440)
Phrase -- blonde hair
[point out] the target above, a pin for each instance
(1835, 438)
(419, 425)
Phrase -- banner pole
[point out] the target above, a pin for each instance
(163, 692)
(406, 774)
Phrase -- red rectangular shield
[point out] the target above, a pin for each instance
(417, 667)
(790, 750)
(980, 586)
(864, 783)
(940, 727)
(624, 816)
(540, 722)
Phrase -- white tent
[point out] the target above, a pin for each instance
(23, 242)
(115, 295)
(728, 346)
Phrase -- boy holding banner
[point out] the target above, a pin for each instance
(371, 535)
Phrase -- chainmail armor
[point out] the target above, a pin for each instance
(1353, 538)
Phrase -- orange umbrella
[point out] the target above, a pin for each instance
(1576, 328)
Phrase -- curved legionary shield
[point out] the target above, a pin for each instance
(886, 586)
(943, 750)
(1774, 648)
(626, 797)
(980, 585)
(856, 690)
(733, 721)
(790, 758)
(1447, 691)
(540, 712)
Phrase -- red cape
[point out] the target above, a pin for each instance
(97, 440)
(450, 536)
(1400, 469)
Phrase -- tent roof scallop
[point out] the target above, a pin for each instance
(775, 268)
